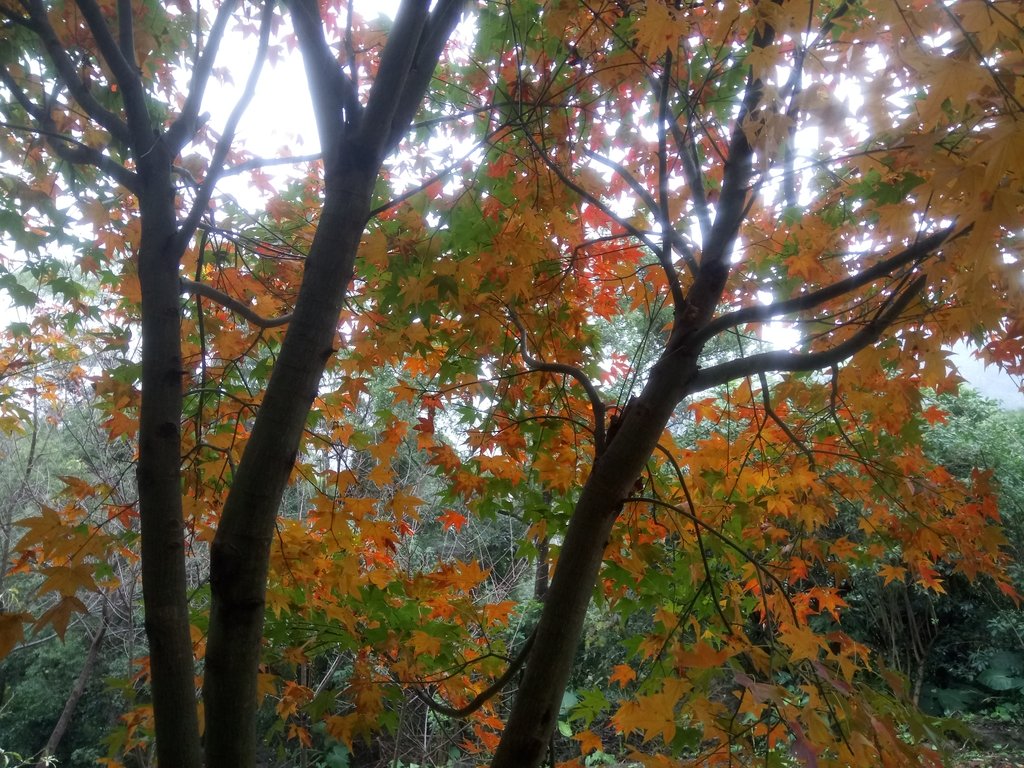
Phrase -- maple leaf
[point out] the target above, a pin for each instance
(589, 741)
(452, 520)
(59, 615)
(702, 656)
(803, 642)
(12, 630)
(658, 29)
(891, 573)
(623, 674)
(424, 644)
(654, 714)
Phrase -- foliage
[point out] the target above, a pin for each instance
(37, 682)
(541, 321)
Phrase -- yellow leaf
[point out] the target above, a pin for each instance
(658, 29)
(802, 641)
(60, 614)
(67, 579)
(424, 644)
(623, 674)
(701, 656)
(891, 573)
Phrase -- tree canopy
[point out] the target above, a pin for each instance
(645, 293)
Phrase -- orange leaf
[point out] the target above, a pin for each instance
(623, 674)
(589, 742)
(451, 519)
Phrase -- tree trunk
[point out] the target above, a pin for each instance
(535, 710)
(64, 721)
(172, 670)
(240, 554)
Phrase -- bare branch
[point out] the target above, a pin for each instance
(439, 28)
(256, 163)
(661, 211)
(433, 179)
(641, 191)
(596, 404)
(126, 31)
(766, 399)
(587, 196)
(808, 361)
(485, 695)
(220, 152)
(335, 102)
(70, 149)
(749, 556)
(691, 170)
(182, 129)
(706, 290)
(229, 302)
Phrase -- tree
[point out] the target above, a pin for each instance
(125, 141)
(666, 146)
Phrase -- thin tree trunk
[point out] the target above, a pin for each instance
(172, 670)
(64, 721)
(542, 574)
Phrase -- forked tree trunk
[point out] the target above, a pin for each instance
(355, 141)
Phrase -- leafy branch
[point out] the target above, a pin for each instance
(597, 405)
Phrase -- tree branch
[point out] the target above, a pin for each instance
(220, 152)
(236, 306)
(70, 149)
(596, 404)
(439, 27)
(766, 399)
(691, 171)
(706, 290)
(389, 91)
(126, 75)
(749, 556)
(256, 163)
(661, 211)
(39, 23)
(589, 198)
(484, 696)
(336, 104)
(919, 250)
(126, 31)
(808, 361)
(184, 126)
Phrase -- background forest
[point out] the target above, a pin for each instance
(574, 386)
